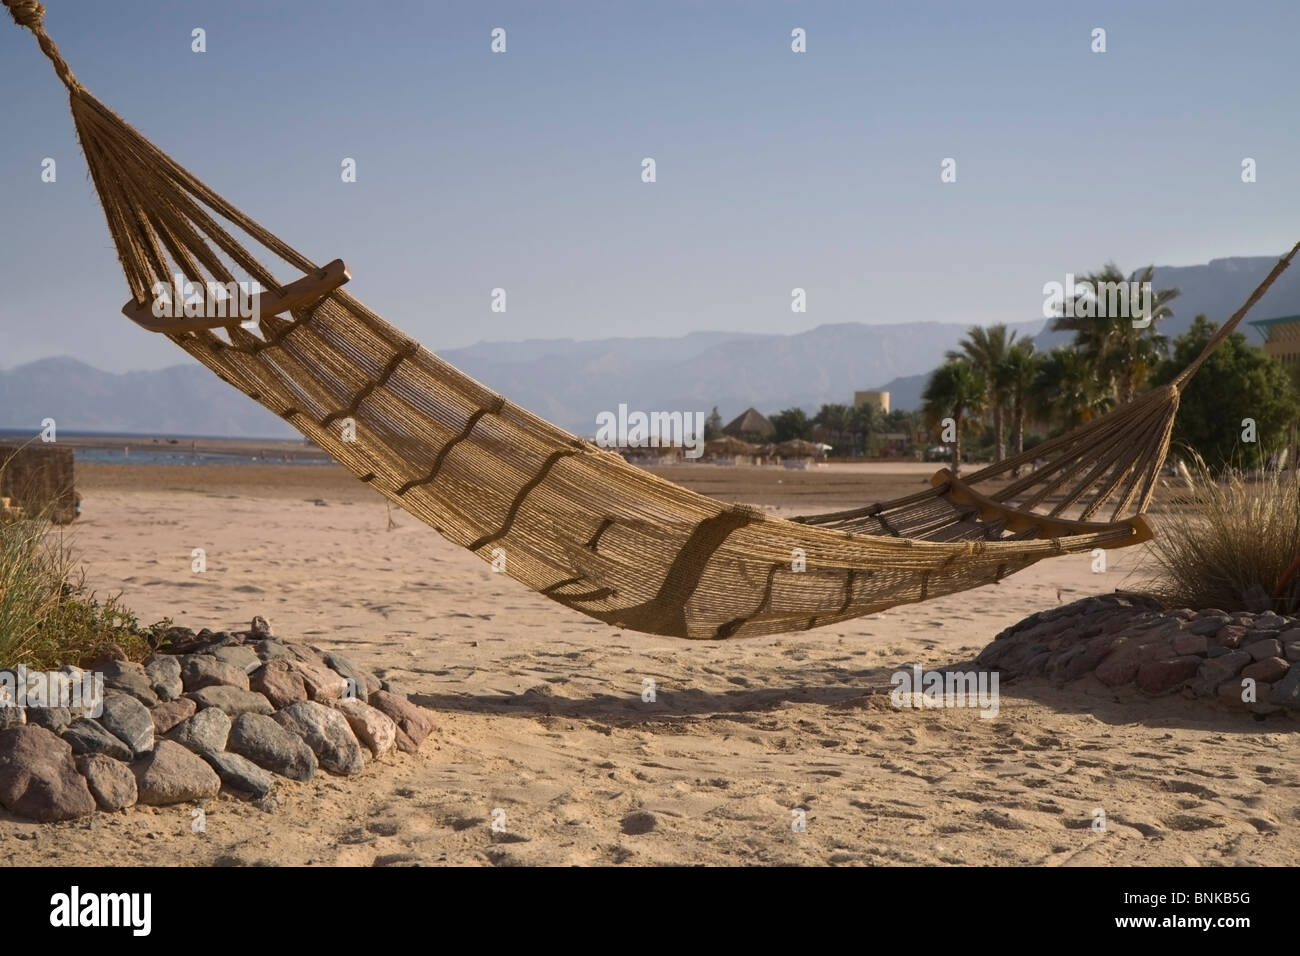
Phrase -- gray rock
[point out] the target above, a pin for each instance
(164, 673)
(205, 732)
(231, 700)
(1288, 636)
(1209, 625)
(1259, 650)
(271, 747)
(171, 774)
(271, 649)
(237, 655)
(240, 773)
(130, 678)
(1270, 621)
(203, 670)
(1291, 652)
(128, 720)
(1215, 670)
(361, 679)
(39, 778)
(1085, 663)
(86, 736)
(53, 719)
(12, 715)
(1286, 692)
(1167, 631)
(111, 782)
(327, 733)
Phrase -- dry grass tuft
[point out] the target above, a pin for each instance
(47, 617)
(1232, 544)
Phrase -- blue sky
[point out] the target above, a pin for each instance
(774, 169)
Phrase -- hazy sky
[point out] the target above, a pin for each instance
(774, 169)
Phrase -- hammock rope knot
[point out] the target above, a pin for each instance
(31, 14)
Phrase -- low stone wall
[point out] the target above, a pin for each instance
(1241, 660)
(213, 711)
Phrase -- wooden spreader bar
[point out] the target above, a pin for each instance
(301, 292)
(1044, 527)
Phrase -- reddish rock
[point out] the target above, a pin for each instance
(1258, 650)
(320, 682)
(375, 729)
(1269, 670)
(413, 723)
(1159, 677)
(170, 713)
(39, 778)
(279, 682)
(1231, 635)
(111, 781)
(1191, 644)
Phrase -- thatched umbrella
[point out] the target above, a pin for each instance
(798, 448)
(728, 446)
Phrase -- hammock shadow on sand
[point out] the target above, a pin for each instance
(841, 691)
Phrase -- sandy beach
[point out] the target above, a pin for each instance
(542, 724)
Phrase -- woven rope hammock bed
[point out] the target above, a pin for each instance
(573, 521)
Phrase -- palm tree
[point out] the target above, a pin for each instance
(956, 390)
(1067, 390)
(986, 349)
(1123, 354)
(838, 422)
(1020, 371)
(866, 419)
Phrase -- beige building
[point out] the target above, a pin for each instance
(1281, 338)
(872, 397)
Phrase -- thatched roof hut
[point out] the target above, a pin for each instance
(752, 426)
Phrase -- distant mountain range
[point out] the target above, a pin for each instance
(569, 382)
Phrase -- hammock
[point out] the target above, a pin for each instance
(564, 517)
